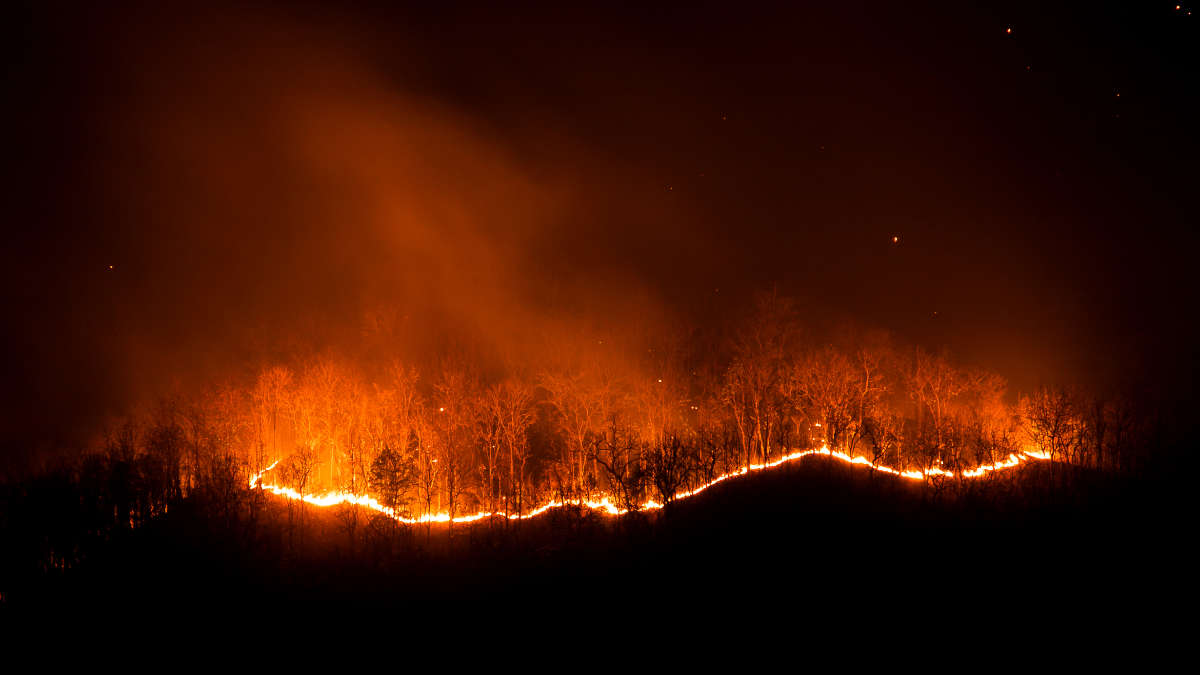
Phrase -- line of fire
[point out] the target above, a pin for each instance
(603, 430)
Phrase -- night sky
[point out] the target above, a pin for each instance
(255, 174)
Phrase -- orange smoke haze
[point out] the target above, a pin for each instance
(272, 192)
(215, 190)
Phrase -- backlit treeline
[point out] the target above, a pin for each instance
(603, 422)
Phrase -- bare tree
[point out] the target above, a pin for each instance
(454, 422)
(1053, 423)
(299, 471)
(825, 385)
(738, 397)
(271, 399)
(510, 408)
(933, 384)
(620, 460)
(668, 464)
(578, 402)
(753, 380)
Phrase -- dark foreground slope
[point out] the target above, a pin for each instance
(813, 541)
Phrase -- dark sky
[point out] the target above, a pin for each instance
(273, 171)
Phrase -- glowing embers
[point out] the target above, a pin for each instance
(605, 505)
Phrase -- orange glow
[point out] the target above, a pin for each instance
(605, 505)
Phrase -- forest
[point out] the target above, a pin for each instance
(588, 423)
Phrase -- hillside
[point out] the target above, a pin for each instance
(819, 532)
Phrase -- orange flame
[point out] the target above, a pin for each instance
(605, 505)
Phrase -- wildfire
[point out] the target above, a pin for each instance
(605, 505)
